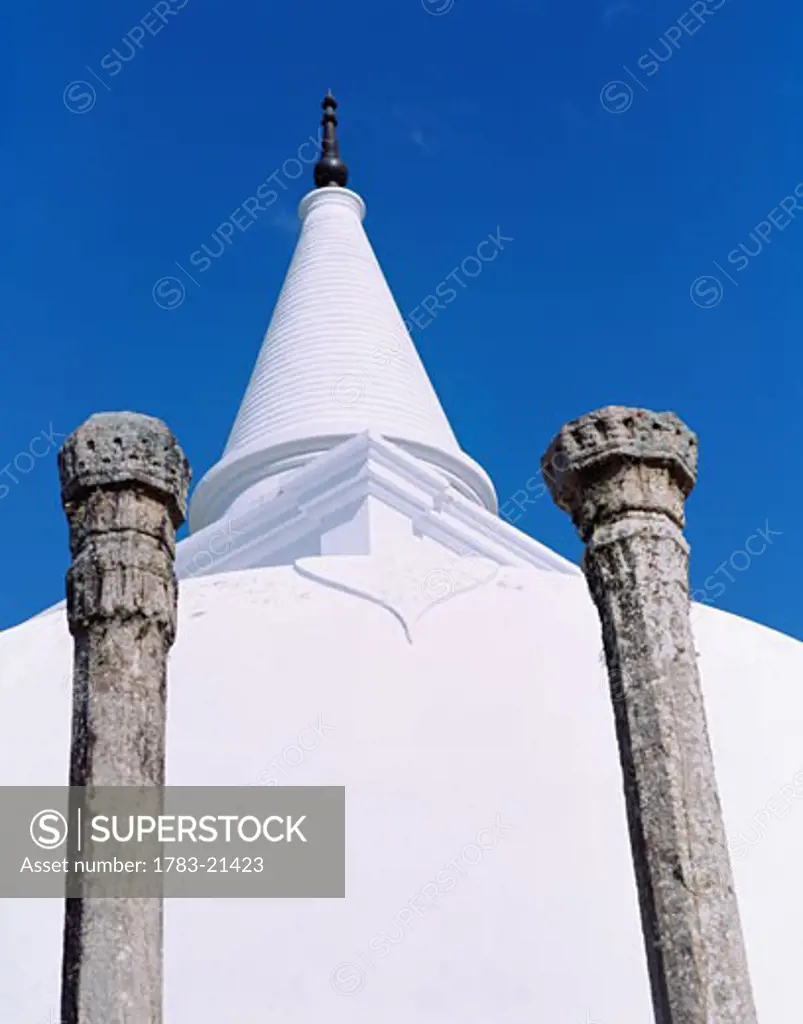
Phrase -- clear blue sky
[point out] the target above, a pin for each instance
(456, 120)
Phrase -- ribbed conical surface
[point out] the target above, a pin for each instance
(337, 360)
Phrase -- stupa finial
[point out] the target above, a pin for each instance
(330, 169)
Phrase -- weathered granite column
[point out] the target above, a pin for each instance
(124, 482)
(624, 476)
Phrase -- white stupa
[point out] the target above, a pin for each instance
(353, 612)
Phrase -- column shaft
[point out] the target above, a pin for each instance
(124, 483)
(624, 474)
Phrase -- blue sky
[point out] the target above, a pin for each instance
(650, 197)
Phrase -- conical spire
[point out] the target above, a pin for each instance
(330, 169)
(337, 361)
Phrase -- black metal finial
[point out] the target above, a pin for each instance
(330, 169)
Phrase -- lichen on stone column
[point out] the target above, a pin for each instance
(124, 483)
(624, 475)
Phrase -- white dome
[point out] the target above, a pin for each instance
(447, 720)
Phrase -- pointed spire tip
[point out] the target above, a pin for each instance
(330, 169)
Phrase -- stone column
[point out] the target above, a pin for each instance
(124, 482)
(624, 476)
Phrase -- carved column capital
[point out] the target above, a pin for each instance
(125, 450)
(124, 483)
(617, 461)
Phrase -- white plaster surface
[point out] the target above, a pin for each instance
(439, 708)
(365, 496)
